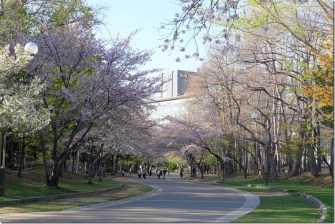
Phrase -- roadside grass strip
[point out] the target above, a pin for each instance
(281, 209)
(280, 201)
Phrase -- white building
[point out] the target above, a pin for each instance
(172, 100)
(174, 83)
(169, 107)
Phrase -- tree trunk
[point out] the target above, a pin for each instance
(53, 178)
(73, 155)
(90, 167)
(329, 167)
(244, 169)
(59, 161)
(77, 161)
(117, 163)
(313, 167)
(255, 157)
(229, 168)
(192, 163)
(273, 165)
(3, 165)
(21, 159)
(112, 164)
(100, 168)
(273, 162)
(290, 166)
(332, 158)
(201, 167)
(222, 169)
(44, 156)
(296, 164)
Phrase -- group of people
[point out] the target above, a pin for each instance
(160, 172)
(142, 172)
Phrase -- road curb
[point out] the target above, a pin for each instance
(313, 200)
(60, 196)
(317, 203)
(252, 202)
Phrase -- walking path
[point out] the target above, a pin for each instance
(170, 201)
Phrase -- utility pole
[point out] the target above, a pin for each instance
(267, 150)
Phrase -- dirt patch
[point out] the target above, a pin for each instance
(6, 210)
(323, 180)
(270, 194)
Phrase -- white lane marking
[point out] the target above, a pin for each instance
(252, 201)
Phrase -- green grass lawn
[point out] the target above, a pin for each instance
(281, 209)
(323, 193)
(130, 189)
(32, 185)
(290, 208)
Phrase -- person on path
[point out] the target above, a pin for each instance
(164, 172)
(181, 172)
(144, 172)
(122, 172)
(139, 172)
(159, 173)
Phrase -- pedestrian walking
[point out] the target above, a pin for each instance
(144, 172)
(122, 172)
(181, 172)
(139, 172)
(159, 173)
(164, 172)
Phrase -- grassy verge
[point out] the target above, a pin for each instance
(285, 208)
(281, 209)
(130, 189)
(31, 185)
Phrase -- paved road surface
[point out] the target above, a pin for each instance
(171, 201)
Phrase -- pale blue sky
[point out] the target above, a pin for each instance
(125, 16)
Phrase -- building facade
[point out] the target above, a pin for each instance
(174, 83)
(171, 102)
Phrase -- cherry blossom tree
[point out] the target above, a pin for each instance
(88, 83)
(117, 134)
(20, 106)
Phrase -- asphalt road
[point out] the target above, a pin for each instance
(171, 201)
